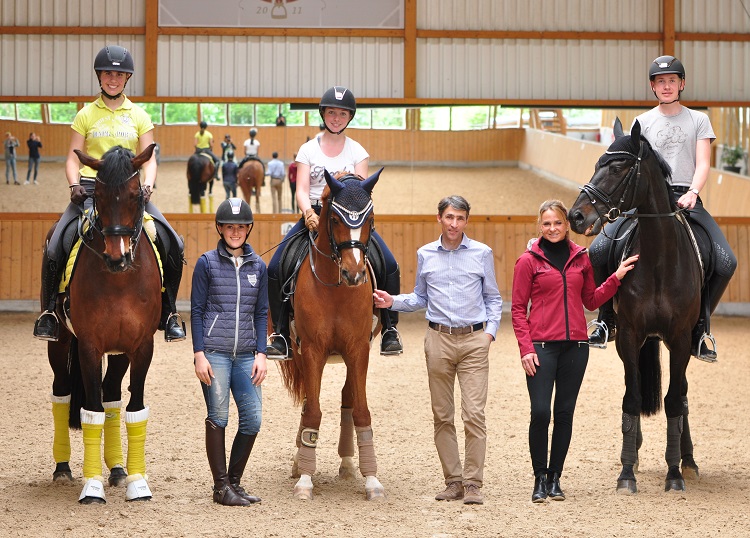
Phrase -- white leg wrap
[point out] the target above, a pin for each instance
(137, 416)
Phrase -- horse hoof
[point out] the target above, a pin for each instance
(117, 477)
(93, 491)
(674, 485)
(137, 489)
(303, 489)
(347, 470)
(374, 490)
(626, 487)
(62, 473)
(690, 473)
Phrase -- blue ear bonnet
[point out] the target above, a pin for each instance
(352, 203)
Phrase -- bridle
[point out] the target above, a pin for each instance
(614, 210)
(117, 230)
(352, 218)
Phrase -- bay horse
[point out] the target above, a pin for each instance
(249, 178)
(659, 300)
(334, 315)
(111, 306)
(200, 172)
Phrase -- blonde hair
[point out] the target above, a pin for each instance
(558, 207)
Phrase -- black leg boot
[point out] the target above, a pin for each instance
(171, 321)
(278, 342)
(390, 340)
(539, 495)
(702, 330)
(241, 448)
(47, 326)
(605, 326)
(217, 460)
(553, 487)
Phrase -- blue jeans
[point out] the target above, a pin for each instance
(33, 165)
(10, 166)
(233, 373)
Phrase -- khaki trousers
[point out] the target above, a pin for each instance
(276, 185)
(465, 356)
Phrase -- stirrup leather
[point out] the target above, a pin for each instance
(599, 325)
(56, 334)
(400, 343)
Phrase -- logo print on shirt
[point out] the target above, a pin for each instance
(670, 140)
(253, 279)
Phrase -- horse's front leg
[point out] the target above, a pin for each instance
(136, 420)
(690, 469)
(57, 352)
(117, 366)
(674, 409)
(309, 424)
(347, 469)
(631, 412)
(92, 424)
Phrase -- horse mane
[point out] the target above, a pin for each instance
(117, 166)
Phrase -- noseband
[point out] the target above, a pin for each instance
(116, 230)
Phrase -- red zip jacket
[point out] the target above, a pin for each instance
(557, 297)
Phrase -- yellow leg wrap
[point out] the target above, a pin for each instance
(136, 425)
(92, 425)
(211, 203)
(112, 439)
(204, 204)
(190, 204)
(61, 439)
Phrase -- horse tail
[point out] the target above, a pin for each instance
(292, 376)
(77, 392)
(650, 370)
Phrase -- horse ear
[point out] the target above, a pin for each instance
(635, 131)
(144, 157)
(87, 160)
(617, 129)
(334, 184)
(369, 183)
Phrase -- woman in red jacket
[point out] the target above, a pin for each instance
(556, 275)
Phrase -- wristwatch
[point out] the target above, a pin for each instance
(695, 191)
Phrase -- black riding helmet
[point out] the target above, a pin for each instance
(234, 211)
(337, 97)
(113, 58)
(203, 124)
(666, 65)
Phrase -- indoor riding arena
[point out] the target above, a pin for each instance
(478, 98)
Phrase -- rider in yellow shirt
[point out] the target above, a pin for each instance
(204, 142)
(111, 120)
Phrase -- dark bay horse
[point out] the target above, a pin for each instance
(200, 172)
(250, 178)
(659, 300)
(111, 306)
(334, 315)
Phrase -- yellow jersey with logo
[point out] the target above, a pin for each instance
(203, 140)
(103, 128)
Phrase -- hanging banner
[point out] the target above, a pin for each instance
(373, 14)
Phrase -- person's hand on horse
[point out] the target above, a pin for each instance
(311, 220)
(382, 299)
(78, 194)
(147, 191)
(688, 200)
(627, 265)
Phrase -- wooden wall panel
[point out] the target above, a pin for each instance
(22, 236)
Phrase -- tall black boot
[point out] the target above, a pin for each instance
(390, 340)
(241, 448)
(47, 326)
(171, 321)
(278, 345)
(702, 330)
(217, 460)
(606, 323)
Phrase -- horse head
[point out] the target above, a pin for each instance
(346, 223)
(118, 203)
(617, 184)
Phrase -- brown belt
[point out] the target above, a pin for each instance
(455, 330)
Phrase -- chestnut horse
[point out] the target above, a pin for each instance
(111, 306)
(658, 300)
(334, 316)
(200, 171)
(249, 178)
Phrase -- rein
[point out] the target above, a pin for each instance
(117, 230)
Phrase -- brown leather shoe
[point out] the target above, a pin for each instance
(452, 492)
(473, 495)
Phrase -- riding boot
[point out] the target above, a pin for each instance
(47, 327)
(702, 330)
(217, 460)
(171, 321)
(606, 325)
(390, 340)
(241, 448)
(278, 342)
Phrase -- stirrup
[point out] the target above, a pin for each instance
(274, 353)
(398, 338)
(180, 322)
(48, 337)
(711, 357)
(599, 325)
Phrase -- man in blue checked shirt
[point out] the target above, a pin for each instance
(456, 284)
